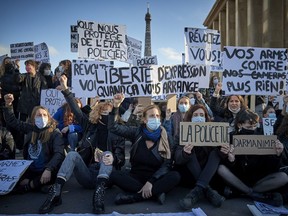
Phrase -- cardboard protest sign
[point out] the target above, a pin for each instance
(91, 78)
(41, 53)
(146, 61)
(52, 99)
(74, 38)
(102, 41)
(22, 51)
(251, 70)
(172, 103)
(254, 144)
(202, 46)
(268, 124)
(144, 101)
(134, 49)
(10, 173)
(204, 133)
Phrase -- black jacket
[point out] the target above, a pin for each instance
(134, 134)
(54, 148)
(114, 143)
(7, 145)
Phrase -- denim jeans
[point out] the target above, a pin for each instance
(72, 140)
(87, 177)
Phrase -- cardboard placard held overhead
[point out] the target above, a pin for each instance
(254, 144)
(204, 133)
(144, 101)
(172, 102)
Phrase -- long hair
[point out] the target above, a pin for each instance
(283, 128)
(44, 135)
(95, 114)
(189, 114)
(246, 115)
(2, 67)
(67, 67)
(68, 114)
(228, 113)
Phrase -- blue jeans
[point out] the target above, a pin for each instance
(72, 140)
(87, 177)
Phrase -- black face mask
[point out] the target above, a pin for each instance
(246, 131)
(9, 68)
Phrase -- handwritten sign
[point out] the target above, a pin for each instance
(134, 49)
(254, 144)
(22, 51)
(251, 70)
(268, 124)
(91, 78)
(52, 99)
(41, 53)
(102, 41)
(146, 61)
(10, 173)
(204, 134)
(74, 38)
(202, 46)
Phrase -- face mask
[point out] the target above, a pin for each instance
(153, 123)
(9, 67)
(272, 115)
(41, 122)
(183, 108)
(47, 72)
(247, 131)
(215, 81)
(198, 119)
(61, 69)
(234, 111)
(192, 101)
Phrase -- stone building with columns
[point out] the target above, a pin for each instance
(257, 23)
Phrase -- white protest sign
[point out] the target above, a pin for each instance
(146, 61)
(268, 124)
(52, 99)
(41, 53)
(74, 38)
(10, 173)
(102, 41)
(92, 79)
(204, 133)
(134, 49)
(202, 46)
(22, 51)
(251, 70)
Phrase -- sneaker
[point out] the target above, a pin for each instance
(191, 198)
(214, 197)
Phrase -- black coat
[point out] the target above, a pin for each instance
(7, 145)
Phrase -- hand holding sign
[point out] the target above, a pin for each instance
(218, 88)
(279, 147)
(225, 148)
(118, 99)
(188, 148)
(9, 98)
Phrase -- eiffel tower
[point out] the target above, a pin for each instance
(147, 51)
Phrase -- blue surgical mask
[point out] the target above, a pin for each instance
(271, 115)
(192, 101)
(198, 119)
(153, 123)
(61, 68)
(183, 108)
(41, 122)
(215, 81)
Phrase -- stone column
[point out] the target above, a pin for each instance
(230, 23)
(222, 27)
(254, 22)
(241, 22)
(215, 25)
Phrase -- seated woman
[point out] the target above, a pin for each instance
(254, 175)
(202, 162)
(150, 156)
(44, 146)
(90, 168)
(70, 129)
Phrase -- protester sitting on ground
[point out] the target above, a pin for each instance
(202, 162)
(183, 106)
(150, 157)
(91, 168)
(233, 104)
(255, 176)
(7, 144)
(69, 127)
(43, 145)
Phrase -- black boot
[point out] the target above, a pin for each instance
(54, 199)
(122, 198)
(98, 196)
(214, 197)
(191, 198)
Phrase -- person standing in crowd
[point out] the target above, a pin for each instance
(183, 106)
(91, 169)
(44, 146)
(67, 124)
(255, 176)
(202, 162)
(233, 105)
(64, 68)
(151, 157)
(45, 71)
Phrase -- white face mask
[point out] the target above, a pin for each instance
(192, 101)
(235, 111)
(61, 69)
(47, 72)
(41, 122)
(198, 119)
